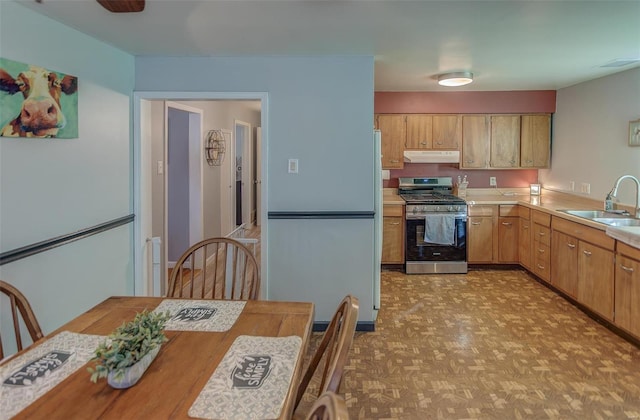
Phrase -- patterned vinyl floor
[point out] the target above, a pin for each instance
(491, 344)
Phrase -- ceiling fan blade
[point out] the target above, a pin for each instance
(123, 6)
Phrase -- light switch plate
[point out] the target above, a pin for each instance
(293, 166)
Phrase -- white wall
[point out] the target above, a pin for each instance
(320, 112)
(591, 135)
(52, 187)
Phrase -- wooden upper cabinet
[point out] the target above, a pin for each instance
(419, 131)
(475, 141)
(393, 131)
(447, 132)
(505, 141)
(535, 141)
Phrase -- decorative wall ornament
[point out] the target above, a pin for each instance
(36, 102)
(214, 147)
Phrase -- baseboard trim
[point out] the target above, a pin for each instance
(365, 326)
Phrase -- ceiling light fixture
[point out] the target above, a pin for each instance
(455, 79)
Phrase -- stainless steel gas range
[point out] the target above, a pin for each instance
(436, 226)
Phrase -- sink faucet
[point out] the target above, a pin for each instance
(612, 194)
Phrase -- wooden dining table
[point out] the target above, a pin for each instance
(180, 371)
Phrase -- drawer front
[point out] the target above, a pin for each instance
(392, 210)
(542, 234)
(481, 210)
(541, 218)
(509, 210)
(628, 250)
(524, 212)
(585, 233)
(542, 261)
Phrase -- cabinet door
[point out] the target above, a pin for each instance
(564, 263)
(392, 240)
(447, 132)
(508, 239)
(627, 296)
(393, 131)
(524, 243)
(505, 141)
(535, 141)
(475, 141)
(419, 128)
(595, 273)
(480, 239)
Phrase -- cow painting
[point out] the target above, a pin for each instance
(32, 105)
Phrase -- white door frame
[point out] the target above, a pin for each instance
(142, 179)
(196, 180)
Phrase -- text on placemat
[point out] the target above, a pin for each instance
(194, 314)
(38, 368)
(251, 371)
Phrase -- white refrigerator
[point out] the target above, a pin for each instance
(377, 208)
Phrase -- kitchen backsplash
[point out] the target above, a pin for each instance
(505, 178)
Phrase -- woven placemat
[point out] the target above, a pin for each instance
(251, 381)
(32, 374)
(201, 315)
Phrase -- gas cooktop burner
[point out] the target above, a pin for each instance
(435, 190)
(432, 198)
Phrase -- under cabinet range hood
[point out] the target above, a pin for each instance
(432, 156)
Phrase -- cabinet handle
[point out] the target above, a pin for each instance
(541, 267)
(469, 160)
(541, 251)
(394, 161)
(541, 233)
(506, 224)
(525, 226)
(512, 161)
(395, 223)
(627, 269)
(438, 142)
(587, 253)
(475, 223)
(571, 246)
(424, 143)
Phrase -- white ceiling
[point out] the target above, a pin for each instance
(507, 44)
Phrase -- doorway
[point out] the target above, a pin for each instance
(145, 167)
(183, 199)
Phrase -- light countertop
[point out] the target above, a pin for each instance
(548, 202)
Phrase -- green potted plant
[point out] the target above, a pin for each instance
(129, 350)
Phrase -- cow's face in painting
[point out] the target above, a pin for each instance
(40, 115)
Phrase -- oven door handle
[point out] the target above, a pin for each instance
(424, 215)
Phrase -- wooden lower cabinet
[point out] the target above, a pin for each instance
(627, 289)
(595, 279)
(480, 239)
(393, 234)
(524, 239)
(541, 245)
(582, 265)
(508, 240)
(564, 271)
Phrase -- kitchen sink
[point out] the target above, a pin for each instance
(617, 221)
(605, 217)
(594, 214)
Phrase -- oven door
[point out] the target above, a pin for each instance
(418, 250)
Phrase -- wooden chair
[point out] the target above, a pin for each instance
(334, 349)
(20, 303)
(216, 268)
(329, 406)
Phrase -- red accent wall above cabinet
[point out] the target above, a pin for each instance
(498, 102)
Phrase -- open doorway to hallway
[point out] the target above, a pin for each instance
(216, 203)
